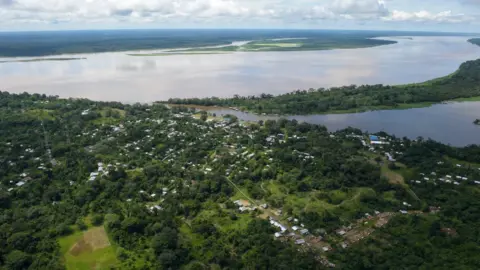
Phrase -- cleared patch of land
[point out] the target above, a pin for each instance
(283, 45)
(88, 250)
(179, 53)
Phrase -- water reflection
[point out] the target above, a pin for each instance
(448, 123)
(117, 76)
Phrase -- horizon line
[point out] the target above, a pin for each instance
(233, 29)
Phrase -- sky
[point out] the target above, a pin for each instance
(421, 15)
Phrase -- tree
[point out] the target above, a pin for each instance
(64, 229)
(17, 260)
(97, 219)
(166, 239)
(81, 224)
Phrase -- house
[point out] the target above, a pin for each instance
(244, 203)
(341, 232)
(295, 228)
(390, 158)
(403, 212)
(344, 245)
(325, 249)
(155, 207)
(264, 206)
(304, 231)
(19, 184)
(277, 235)
(300, 242)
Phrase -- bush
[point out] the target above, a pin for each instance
(97, 220)
(17, 260)
(81, 225)
(63, 229)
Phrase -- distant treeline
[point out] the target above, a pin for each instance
(32, 44)
(475, 41)
(464, 83)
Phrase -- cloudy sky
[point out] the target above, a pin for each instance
(437, 15)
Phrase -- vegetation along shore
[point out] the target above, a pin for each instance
(353, 98)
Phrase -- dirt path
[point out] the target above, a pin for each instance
(239, 190)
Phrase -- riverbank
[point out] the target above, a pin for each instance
(405, 106)
(42, 60)
(350, 99)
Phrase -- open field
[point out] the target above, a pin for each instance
(283, 45)
(90, 250)
(41, 114)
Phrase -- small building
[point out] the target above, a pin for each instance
(304, 231)
(277, 235)
(341, 232)
(300, 242)
(20, 183)
(390, 157)
(264, 206)
(403, 212)
(295, 228)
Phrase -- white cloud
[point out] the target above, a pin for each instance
(423, 16)
(363, 9)
(15, 12)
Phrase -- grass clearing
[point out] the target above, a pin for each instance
(282, 45)
(41, 114)
(180, 53)
(90, 250)
(393, 177)
(470, 99)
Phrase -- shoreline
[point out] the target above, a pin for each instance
(401, 107)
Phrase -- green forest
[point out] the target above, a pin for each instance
(35, 44)
(463, 84)
(106, 185)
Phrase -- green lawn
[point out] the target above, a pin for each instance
(41, 114)
(86, 258)
(283, 45)
(467, 99)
